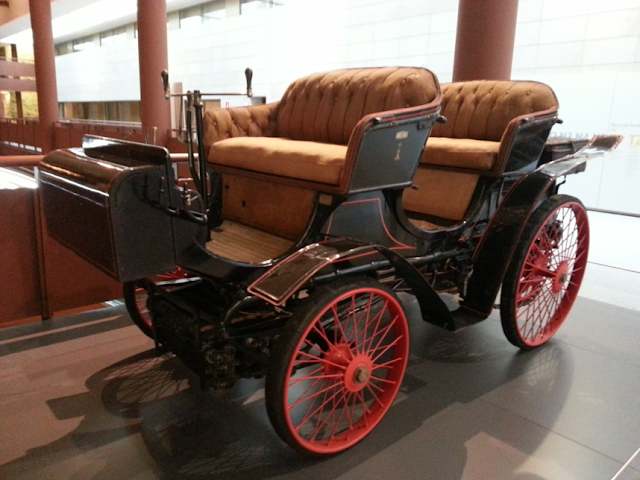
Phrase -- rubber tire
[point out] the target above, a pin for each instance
(288, 346)
(559, 286)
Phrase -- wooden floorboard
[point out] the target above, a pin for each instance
(245, 244)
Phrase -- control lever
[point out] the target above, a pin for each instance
(248, 73)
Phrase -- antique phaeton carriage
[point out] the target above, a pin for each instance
(304, 219)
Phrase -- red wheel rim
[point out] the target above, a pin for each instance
(346, 370)
(551, 274)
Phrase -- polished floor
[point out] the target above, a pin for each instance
(86, 397)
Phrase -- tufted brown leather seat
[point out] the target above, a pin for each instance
(306, 138)
(483, 118)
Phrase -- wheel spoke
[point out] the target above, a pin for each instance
(337, 421)
(365, 407)
(338, 322)
(308, 376)
(353, 313)
(313, 345)
(310, 407)
(318, 359)
(383, 334)
(368, 322)
(387, 364)
(385, 349)
(313, 395)
(373, 394)
(295, 381)
(320, 424)
(319, 408)
(383, 380)
(322, 333)
(377, 320)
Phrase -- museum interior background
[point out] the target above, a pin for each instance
(588, 51)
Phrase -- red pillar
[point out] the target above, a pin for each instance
(45, 67)
(153, 58)
(484, 40)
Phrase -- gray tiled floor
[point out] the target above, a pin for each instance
(85, 397)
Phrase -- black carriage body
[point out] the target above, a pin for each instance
(105, 203)
(116, 204)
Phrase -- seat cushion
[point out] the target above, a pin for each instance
(301, 160)
(460, 153)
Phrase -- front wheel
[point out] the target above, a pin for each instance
(337, 366)
(545, 272)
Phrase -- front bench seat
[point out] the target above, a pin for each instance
(307, 138)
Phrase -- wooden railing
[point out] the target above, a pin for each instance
(23, 133)
(69, 133)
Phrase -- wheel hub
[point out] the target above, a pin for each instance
(541, 264)
(361, 375)
(355, 370)
(358, 373)
(561, 277)
(338, 357)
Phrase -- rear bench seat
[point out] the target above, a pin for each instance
(305, 140)
(485, 120)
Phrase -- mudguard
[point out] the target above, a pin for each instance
(493, 254)
(278, 284)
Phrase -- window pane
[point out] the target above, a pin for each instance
(83, 43)
(214, 10)
(191, 16)
(116, 35)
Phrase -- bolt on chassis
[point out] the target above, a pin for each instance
(284, 254)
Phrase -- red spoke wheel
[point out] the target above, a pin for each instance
(545, 272)
(337, 366)
(136, 295)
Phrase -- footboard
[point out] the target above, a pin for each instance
(105, 202)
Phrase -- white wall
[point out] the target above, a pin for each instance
(108, 73)
(587, 50)
(279, 44)
(284, 43)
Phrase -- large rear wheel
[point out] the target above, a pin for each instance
(545, 272)
(337, 366)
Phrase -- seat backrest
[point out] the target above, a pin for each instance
(325, 107)
(482, 109)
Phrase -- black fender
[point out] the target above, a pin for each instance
(493, 254)
(279, 283)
